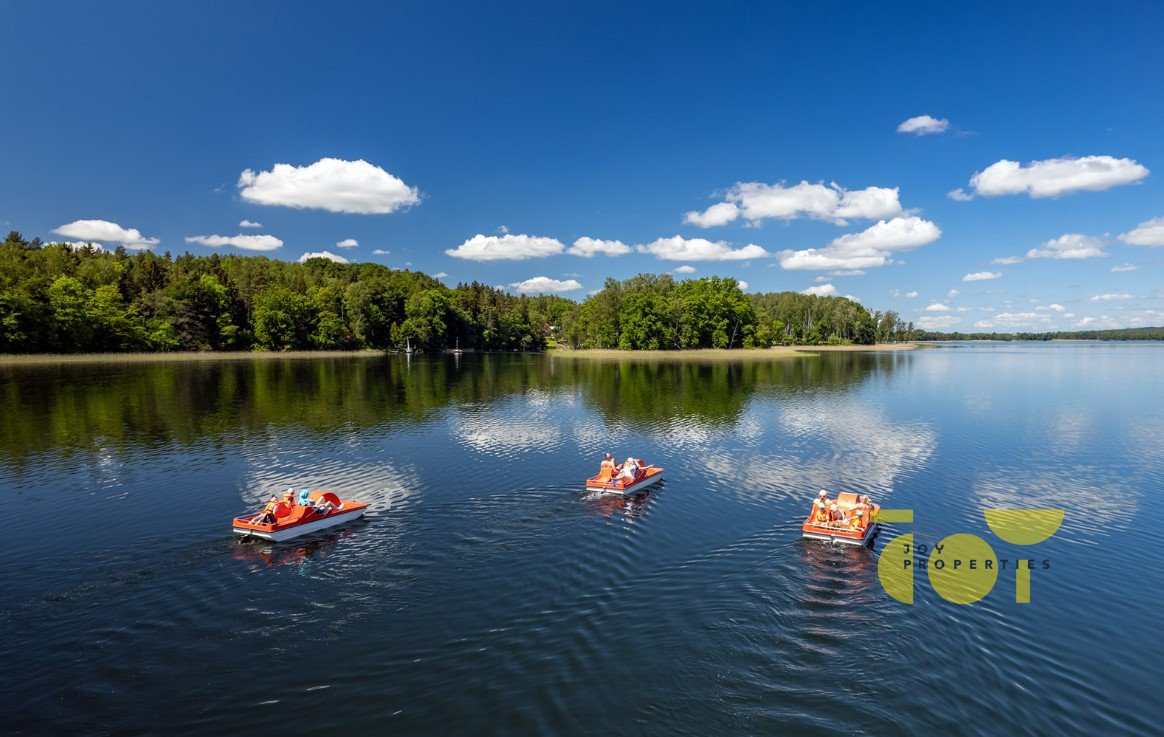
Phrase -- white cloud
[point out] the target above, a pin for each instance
(755, 201)
(1007, 261)
(1147, 233)
(1016, 321)
(1110, 298)
(503, 229)
(720, 213)
(824, 290)
(106, 232)
(329, 184)
(685, 269)
(1096, 323)
(937, 307)
(743, 285)
(678, 248)
(906, 295)
(75, 245)
(872, 247)
(588, 247)
(440, 275)
(245, 242)
(1054, 177)
(347, 243)
(924, 125)
(380, 252)
(249, 224)
(544, 284)
(323, 254)
(1125, 267)
(930, 322)
(982, 276)
(1070, 246)
(959, 195)
(507, 247)
(952, 293)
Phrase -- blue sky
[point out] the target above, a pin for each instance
(496, 136)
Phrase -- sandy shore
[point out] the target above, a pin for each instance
(718, 354)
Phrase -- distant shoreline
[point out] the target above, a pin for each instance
(715, 354)
(721, 354)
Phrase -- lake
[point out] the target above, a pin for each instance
(486, 593)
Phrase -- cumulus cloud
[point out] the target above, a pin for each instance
(872, 247)
(1096, 323)
(678, 248)
(959, 195)
(685, 269)
(245, 242)
(380, 252)
(906, 295)
(440, 275)
(847, 272)
(334, 185)
(952, 293)
(1052, 308)
(941, 322)
(1110, 298)
(1124, 267)
(249, 224)
(1147, 233)
(347, 243)
(589, 247)
(544, 284)
(1016, 321)
(743, 285)
(937, 307)
(755, 201)
(982, 276)
(323, 254)
(1007, 261)
(507, 247)
(1054, 177)
(106, 232)
(1070, 246)
(924, 125)
(824, 290)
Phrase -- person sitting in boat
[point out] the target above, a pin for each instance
(857, 521)
(630, 470)
(267, 516)
(323, 506)
(820, 513)
(836, 516)
(607, 467)
(870, 512)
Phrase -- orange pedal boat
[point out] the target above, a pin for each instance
(842, 532)
(293, 520)
(606, 482)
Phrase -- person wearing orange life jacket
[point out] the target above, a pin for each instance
(820, 513)
(267, 516)
(857, 521)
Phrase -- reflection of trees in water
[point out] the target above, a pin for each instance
(716, 392)
(116, 405)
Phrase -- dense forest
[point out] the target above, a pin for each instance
(1115, 334)
(61, 298)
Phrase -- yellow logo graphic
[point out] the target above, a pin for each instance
(964, 568)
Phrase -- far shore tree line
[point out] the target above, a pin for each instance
(62, 298)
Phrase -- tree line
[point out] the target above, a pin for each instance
(1146, 333)
(63, 298)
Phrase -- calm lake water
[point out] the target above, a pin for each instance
(487, 594)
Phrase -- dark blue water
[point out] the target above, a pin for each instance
(488, 594)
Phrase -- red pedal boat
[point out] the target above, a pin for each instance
(843, 532)
(285, 520)
(645, 476)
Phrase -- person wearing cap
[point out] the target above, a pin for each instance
(630, 470)
(857, 521)
(820, 513)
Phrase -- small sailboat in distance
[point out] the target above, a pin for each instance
(457, 350)
(407, 347)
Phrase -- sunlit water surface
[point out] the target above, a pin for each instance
(486, 593)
